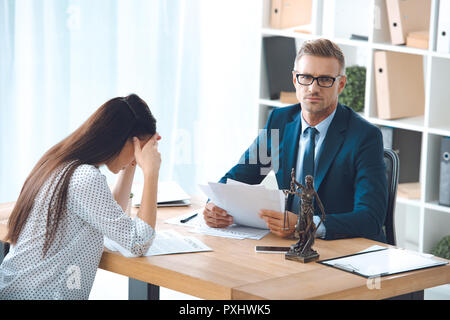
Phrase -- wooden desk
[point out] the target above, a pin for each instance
(235, 271)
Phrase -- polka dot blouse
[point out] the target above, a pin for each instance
(68, 270)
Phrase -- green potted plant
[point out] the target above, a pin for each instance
(355, 89)
(442, 249)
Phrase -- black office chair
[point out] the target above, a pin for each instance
(392, 164)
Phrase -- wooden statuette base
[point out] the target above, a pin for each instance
(296, 256)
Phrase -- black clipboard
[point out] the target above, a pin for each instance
(355, 270)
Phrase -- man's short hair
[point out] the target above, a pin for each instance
(322, 48)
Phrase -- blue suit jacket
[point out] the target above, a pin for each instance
(350, 176)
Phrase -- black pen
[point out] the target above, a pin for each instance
(188, 218)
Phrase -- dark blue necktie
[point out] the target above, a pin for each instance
(307, 164)
(308, 156)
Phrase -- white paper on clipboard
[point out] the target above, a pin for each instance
(383, 262)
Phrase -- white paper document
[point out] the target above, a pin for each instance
(198, 225)
(383, 262)
(165, 242)
(195, 222)
(170, 242)
(372, 248)
(234, 231)
(243, 201)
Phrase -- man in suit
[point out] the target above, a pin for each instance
(323, 138)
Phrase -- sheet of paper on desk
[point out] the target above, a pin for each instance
(234, 231)
(199, 225)
(170, 242)
(195, 222)
(165, 242)
(244, 201)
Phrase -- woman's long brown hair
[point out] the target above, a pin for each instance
(95, 142)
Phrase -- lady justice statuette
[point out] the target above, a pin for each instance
(305, 229)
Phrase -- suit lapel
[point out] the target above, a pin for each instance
(331, 145)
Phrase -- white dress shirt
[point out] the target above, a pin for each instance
(322, 129)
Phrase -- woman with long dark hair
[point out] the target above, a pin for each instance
(65, 207)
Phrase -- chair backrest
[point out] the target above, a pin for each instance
(392, 164)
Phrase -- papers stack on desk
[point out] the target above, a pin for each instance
(243, 201)
(170, 194)
(198, 225)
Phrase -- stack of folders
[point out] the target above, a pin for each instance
(399, 84)
(290, 13)
(409, 18)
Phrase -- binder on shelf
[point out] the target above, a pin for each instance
(280, 54)
(359, 37)
(407, 16)
(409, 190)
(443, 36)
(288, 97)
(303, 30)
(399, 85)
(408, 145)
(444, 177)
(418, 39)
(290, 13)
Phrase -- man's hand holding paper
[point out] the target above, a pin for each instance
(275, 222)
(216, 217)
(240, 203)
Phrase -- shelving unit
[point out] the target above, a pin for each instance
(420, 223)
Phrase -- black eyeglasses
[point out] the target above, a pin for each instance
(322, 81)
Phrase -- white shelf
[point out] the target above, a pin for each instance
(440, 131)
(274, 103)
(422, 221)
(440, 55)
(434, 205)
(290, 33)
(399, 48)
(413, 123)
(410, 202)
